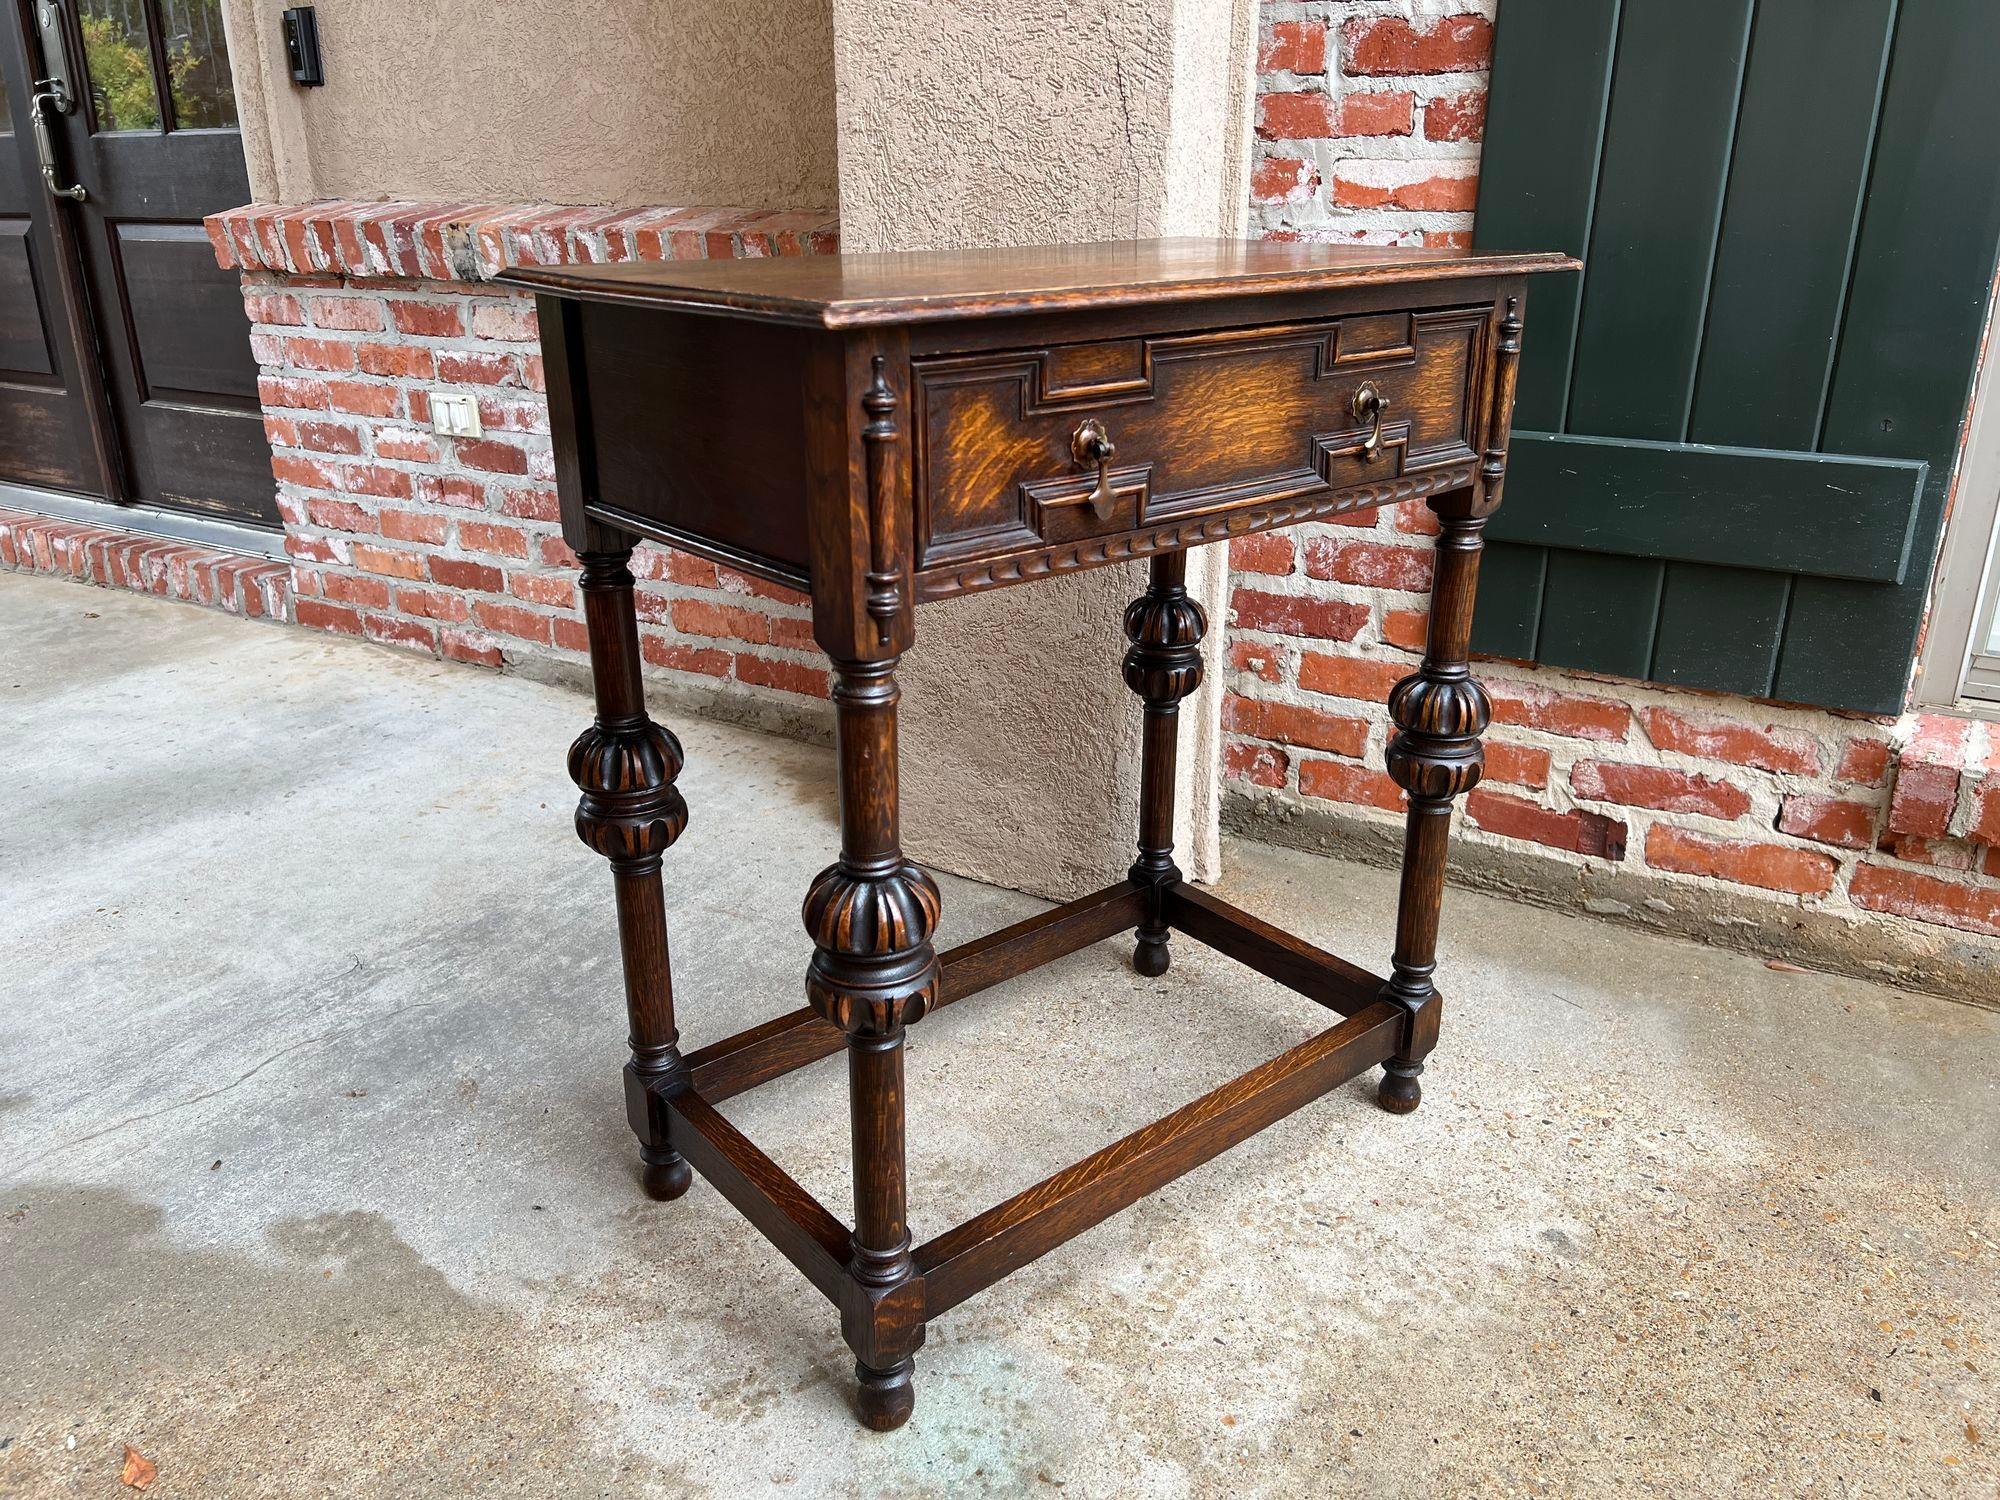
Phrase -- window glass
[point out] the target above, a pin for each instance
(1992, 610)
(6, 109)
(120, 65)
(197, 64)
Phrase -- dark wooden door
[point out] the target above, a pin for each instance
(149, 147)
(1736, 430)
(48, 438)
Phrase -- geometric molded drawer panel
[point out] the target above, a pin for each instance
(1202, 423)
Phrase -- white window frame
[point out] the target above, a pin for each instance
(1956, 672)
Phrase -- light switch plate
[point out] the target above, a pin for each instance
(454, 415)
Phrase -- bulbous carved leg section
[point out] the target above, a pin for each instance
(631, 813)
(1165, 627)
(1163, 666)
(873, 969)
(885, 1398)
(1439, 717)
(630, 809)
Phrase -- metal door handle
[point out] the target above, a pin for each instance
(56, 98)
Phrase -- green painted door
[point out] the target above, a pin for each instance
(1736, 428)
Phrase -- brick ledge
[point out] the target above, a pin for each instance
(233, 581)
(434, 241)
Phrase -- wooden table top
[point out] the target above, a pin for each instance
(853, 291)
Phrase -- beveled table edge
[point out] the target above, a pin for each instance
(656, 285)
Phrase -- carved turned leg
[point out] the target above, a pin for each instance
(630, 813)
(871, 915)
(1162, 666)
(1440, 712)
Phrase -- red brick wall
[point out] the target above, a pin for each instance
(1368, 121)
(359, 313)
(1368, 128)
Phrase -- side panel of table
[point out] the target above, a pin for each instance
(687, 429)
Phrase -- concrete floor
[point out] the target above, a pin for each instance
(314, 1181)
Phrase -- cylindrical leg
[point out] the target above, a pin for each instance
(1162, 665)
(885, 1395)
(1440, 712)
(881, 1200)
(630, 813)
(871, 915)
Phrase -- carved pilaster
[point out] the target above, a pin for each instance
(1163, 666)
(1500, 419)
(884, 584)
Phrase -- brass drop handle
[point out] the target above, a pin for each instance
(1091, 444)
(1370, 405)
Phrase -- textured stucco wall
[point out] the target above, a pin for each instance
(1040, 121)
(1033, 122)
(618, 103)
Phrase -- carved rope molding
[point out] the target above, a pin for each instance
(948, 583)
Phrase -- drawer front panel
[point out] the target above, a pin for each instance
(1201, 424)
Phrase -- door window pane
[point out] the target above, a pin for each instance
(198, 64)
(6, 108)
(120, 65)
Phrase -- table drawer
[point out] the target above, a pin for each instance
(1200, 423)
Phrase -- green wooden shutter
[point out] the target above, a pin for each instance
(1737, 426)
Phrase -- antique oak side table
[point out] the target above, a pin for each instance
(880, 431)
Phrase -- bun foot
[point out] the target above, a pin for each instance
(886, 1397)
(1151, 957)
(1400, 1092)
(665, 1175)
